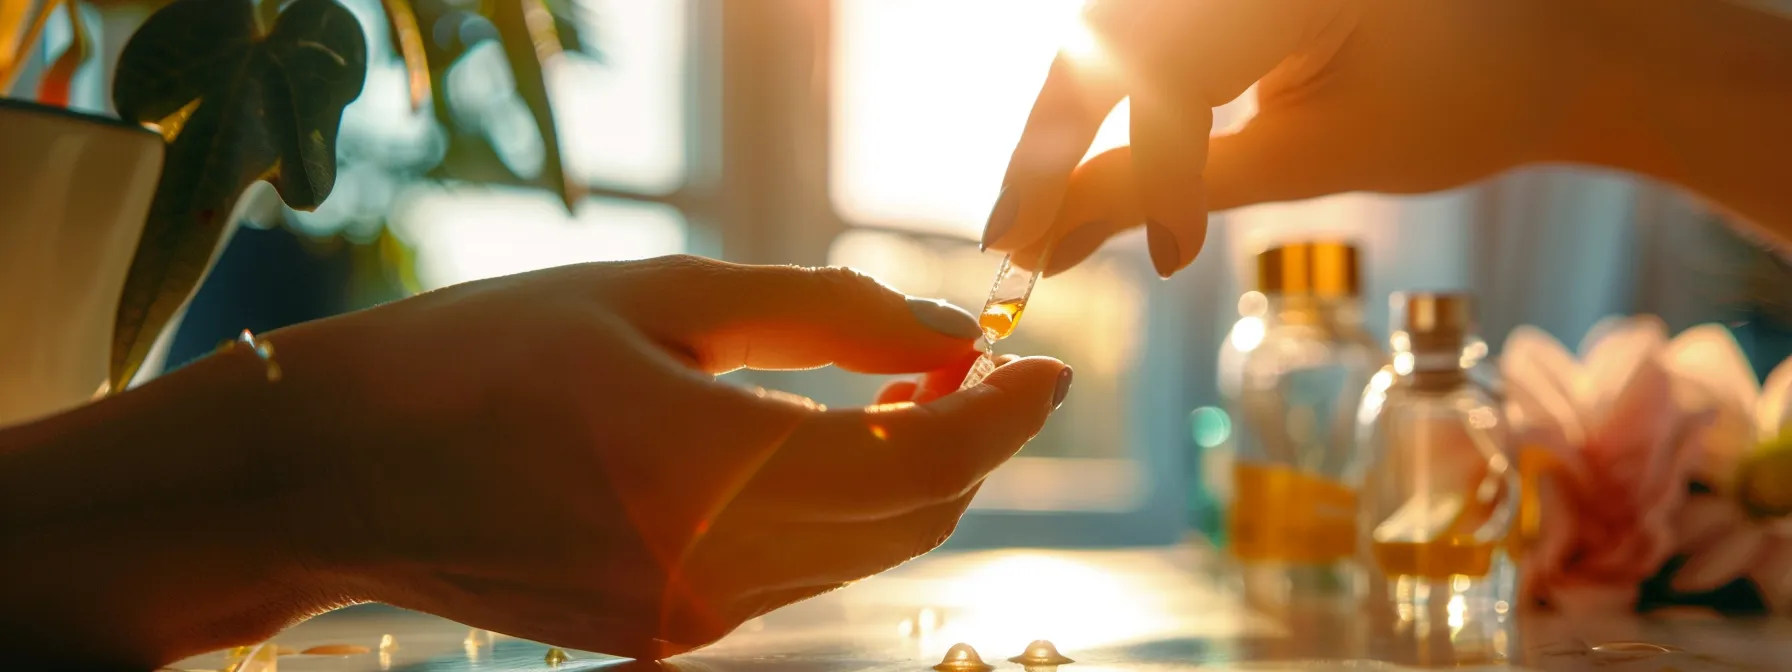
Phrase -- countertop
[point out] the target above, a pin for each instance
(1111, 611)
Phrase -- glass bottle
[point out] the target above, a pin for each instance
(1292, 372)
(1438, 487)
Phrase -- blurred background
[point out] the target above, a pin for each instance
(874, 134)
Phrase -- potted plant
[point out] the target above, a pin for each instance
(213, 96)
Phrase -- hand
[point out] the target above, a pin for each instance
(549, 455)
(1393, 96)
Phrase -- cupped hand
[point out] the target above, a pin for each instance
(551, 456)
(1391, 96)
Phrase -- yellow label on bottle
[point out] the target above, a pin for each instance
(1534, 465)
(1279, 514)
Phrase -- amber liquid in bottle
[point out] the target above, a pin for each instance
(1440, 488)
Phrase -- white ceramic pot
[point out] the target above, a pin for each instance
(74, 191)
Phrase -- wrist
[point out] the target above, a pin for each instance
(1672, 89)
(151, 526)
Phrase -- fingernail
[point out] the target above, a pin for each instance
(1001, 219)
(1079, 244)
(945, 318)
(1165, 254)
(1063, 388)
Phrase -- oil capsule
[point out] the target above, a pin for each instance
(1007, 300)
(962, 658)
(1041, 653)
(1002, 311)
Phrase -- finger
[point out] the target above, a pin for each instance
(1294, 154)
(898, 391)
(810, 552)
(944, 381)
(730, 316)
(874, 462)
(1071, 106)
(1101, 202)
(1169, 155)
(1181, 78)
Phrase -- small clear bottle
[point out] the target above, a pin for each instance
(1292, 372)
(1438, 489)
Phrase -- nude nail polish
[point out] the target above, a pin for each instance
(1166, 255)
(945, 318)
(1001, 218)
(1063, 389)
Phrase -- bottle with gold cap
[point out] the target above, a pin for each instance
(1438, 489)
(1292, 371)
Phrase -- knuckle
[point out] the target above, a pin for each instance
(683, 262)
(846, 282)
(673, 268)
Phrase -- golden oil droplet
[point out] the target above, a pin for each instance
(998, 318)
(1008, 299)
(1041, 652)
(336, 650)
(962, 658)
(555, 657)
(1636, 649)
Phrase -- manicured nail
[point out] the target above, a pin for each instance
(945, 318)
(1001, 218)
(1165, 254)
(1063, 388)
(1076, 246)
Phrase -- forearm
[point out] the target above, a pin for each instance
(148, 526)
(1696, 93)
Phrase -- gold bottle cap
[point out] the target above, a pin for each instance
(1318, 268)
(1438, 314)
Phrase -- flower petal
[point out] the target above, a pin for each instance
(1772, 573)
(1635, 439)
(1704, 519)
(1546, 375)
(1611, 354)
(1718, 377)
(1578, 599)
(1721, 562)
(1773, 412)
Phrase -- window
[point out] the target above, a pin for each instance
(928, 100)
(634, 153)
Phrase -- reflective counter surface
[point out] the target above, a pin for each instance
(1109, 611)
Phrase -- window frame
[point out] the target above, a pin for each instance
(775, 105)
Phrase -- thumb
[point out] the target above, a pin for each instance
(727, 316)
(871, 463)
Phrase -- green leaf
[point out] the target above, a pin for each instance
(178, 53)
(526, 29)
(257, 107)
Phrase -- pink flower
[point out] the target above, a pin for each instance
(1722, 542)
(1622, 445)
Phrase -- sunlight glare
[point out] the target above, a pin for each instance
(922, 136)
(1079, 42)
(464, 234)
(1019, 597)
